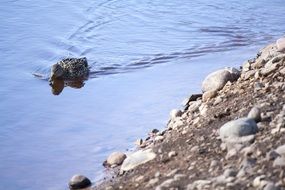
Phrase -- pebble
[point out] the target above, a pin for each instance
(238, 128)
(172, 154)
(79, 182)
(116, 158)
(255, 114)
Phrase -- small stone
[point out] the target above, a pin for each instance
(79, 182)
(272, 155)
(238, 128)
(154, 131)
(230, 173)
(172, 154)
(175, 113)
(248, 74)
(116, 158)
(109, 188)
(257, 182)
(139, 142)
(139, 179)
(214, 163)
(209, 95)
(218, 100)
(203, 110)
(166, 184)
(271, 186)
(280, 43)
(255, 114)
(159, 138)
(152, 182)
(157, 174)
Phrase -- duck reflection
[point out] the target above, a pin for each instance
(57, 85)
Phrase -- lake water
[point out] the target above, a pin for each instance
(146, 57)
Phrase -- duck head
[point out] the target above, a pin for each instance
(56, 72)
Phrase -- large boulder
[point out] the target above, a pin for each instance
(217, 80)
(238, 128)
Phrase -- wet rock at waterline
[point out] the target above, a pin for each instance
(79, 182)
(115, 159)
(216, 80)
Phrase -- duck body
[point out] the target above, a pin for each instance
(70, 69)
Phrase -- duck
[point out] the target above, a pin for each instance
(70, 69)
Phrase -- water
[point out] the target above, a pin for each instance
(146, 57)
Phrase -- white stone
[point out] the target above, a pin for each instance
(137, 158)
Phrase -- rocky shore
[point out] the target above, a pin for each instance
(229, 137)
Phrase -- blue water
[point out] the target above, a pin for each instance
(146, 57)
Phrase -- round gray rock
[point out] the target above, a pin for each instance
(79, 182)
(238, 128)
(217, 80)
(116, 158)
(255, 114)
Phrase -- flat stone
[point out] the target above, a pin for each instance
(137, 158)
(255, 114)
(79, 182)
(116, 158)
(280, 43)
(238, 128)
(216, 80)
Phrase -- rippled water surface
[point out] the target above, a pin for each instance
(145, 57)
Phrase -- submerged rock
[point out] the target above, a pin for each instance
(238, 128)
(137, 158)
(79, 182)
